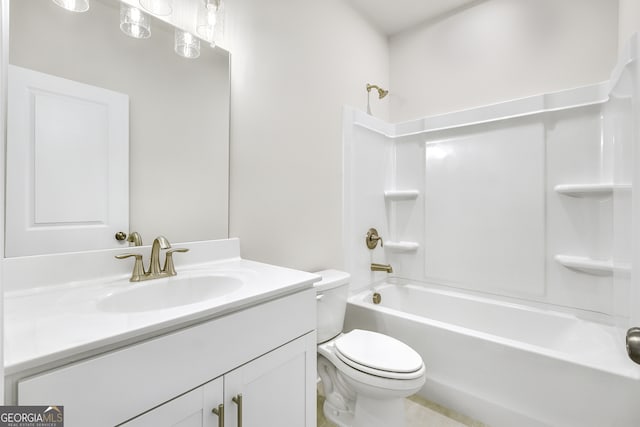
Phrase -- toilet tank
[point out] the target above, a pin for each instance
(331, 294)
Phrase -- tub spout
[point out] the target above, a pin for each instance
(381, 267)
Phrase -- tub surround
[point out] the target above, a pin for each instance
(531, 196)
(531, 105)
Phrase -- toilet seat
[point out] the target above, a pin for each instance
(378, 354)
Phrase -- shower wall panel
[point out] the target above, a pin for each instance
(484, 208)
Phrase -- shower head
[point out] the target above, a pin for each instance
(381, 92)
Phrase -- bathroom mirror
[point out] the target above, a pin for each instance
(178, 111)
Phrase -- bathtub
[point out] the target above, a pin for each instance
(505, 364)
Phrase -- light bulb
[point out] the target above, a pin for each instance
(186, 44)
(73, 5)
(207, 24)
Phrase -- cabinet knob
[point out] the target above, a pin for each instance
(219, 411)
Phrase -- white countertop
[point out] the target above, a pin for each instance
(53, 324)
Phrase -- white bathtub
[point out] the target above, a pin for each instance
(505, 364)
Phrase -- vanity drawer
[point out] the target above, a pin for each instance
(114, 387)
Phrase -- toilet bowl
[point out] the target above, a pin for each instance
(365, 375)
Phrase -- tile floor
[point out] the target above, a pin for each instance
(420, 413)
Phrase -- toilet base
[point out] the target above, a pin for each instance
(340, 418)
(368, 413)
(379, 413)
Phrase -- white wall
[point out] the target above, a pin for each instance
(498, 50)
(295, 63)
(628, 20)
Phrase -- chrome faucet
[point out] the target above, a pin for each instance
(155, 272)
(381, 267)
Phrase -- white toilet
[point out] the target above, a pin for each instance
(365, 375)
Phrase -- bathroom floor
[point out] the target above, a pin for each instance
(420, 413)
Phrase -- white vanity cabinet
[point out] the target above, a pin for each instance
(265, 353)
(274, 388)
(270, 390)
(189, 410)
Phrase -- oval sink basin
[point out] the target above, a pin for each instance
(169, 292)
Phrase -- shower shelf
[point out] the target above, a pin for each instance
(587, 190)
(396, 195)
(402, 246)
(592, 266)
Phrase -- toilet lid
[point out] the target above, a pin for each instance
(377, 351)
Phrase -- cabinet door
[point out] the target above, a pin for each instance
(192, 409)
(277, 389)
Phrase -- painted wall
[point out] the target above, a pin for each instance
(498, 50)
(178, 112)
(628, 20)
(294, 65)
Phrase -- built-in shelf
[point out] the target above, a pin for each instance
(402, 246)
(396, 195)
(592, 266)
(587, 190)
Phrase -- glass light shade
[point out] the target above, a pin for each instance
(212, 4)
(157, 7)
(134, 23)
(210, 24)
(207, 24)
(73, 5)
(186, 44)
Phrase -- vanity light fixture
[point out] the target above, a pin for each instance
(73, 5)
(157, 7)
(134, 23)
(186, 44)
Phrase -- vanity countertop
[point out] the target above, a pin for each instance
(49, 326)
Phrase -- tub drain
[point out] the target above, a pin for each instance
(377, 298)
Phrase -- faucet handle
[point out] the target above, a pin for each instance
(135, 238)
(169, 268)
(138, 267)
(373, 238)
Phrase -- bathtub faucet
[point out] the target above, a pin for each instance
(381, 267)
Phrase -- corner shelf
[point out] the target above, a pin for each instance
(587, 190)
(592, 266)
(397, 195)
(402, 246)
